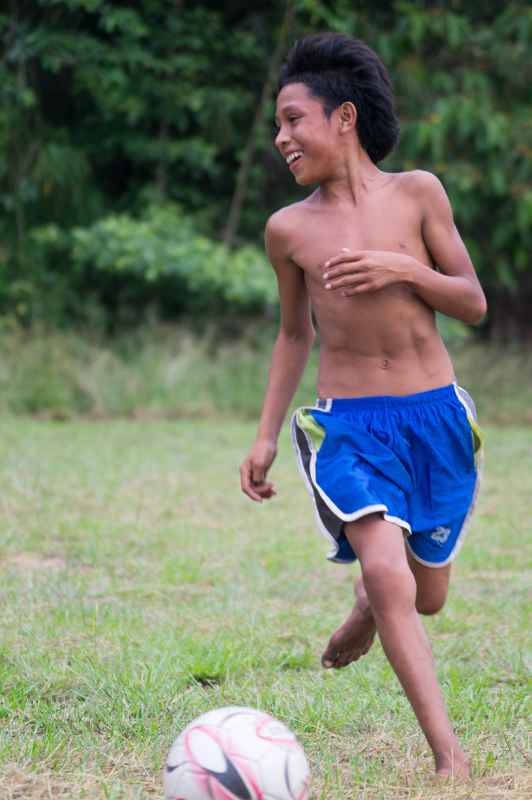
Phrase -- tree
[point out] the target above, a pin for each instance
(108, 107)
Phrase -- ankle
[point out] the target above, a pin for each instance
(361, 596)
(452, 760)
(363, 607)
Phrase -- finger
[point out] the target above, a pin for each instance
(261, 486)
(346, 256)
(259, 493)
(252, 494)
(258, 474)
(347, 281)
(347, 269)
(360, 289)
(341, 259)
(246, 483)
(267, 491)
(345, 252)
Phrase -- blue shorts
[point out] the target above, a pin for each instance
(413, 459)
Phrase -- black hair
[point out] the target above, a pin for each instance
(338, 68)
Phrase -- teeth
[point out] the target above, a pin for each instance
(293, 156)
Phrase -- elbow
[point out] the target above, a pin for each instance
(294, 345)
(475, 306)
(305, 337)
(478, 310)
(299, 337)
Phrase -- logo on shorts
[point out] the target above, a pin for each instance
(441, 534)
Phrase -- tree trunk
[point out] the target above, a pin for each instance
(510, 314)
(241, 184)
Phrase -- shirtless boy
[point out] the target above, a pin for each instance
(389, 452)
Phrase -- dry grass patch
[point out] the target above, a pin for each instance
(29, 562)
(118, 784)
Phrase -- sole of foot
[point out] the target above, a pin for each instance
(350, 641)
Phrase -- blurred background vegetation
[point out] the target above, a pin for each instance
(137, 172)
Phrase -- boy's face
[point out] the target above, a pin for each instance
(306, 133)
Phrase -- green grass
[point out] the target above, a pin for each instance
(140, 588)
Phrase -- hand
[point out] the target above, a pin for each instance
(255, 468)
(366, 270)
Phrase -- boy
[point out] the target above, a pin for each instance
(389, 451)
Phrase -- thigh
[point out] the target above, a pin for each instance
(375, 540)
(432, 585)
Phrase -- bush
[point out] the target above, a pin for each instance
(159, 261)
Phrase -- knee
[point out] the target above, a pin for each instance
(428, 606)
(389, 586)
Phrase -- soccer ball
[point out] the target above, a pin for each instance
(236, 753)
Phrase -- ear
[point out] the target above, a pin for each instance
(348, 116)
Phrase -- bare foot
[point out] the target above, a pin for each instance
(454, 767)
(354, 638)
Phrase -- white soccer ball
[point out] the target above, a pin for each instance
(236, 753)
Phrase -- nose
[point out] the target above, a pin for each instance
(281, 138)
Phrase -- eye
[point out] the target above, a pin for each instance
(293, 119)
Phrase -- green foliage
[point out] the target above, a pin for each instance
(164, 247)
(109, 107)
(161, 256)
(475, 136)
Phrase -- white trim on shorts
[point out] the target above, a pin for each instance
(313, 484)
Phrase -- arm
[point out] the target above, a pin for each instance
(290, 354)
(453, 289)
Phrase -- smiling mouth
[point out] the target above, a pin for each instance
(293, 157)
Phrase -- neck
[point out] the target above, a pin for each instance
(355, 176)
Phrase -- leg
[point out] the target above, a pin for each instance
(355, 637)
(432, 585)
(391, 591)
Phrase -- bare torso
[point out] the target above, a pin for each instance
(376, 343)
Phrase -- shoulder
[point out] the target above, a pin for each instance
(280, 229)
(427, 190)
(281, 222)
(420, 181)
(426, 193)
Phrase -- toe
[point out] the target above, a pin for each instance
(328, 659)
(346, 659)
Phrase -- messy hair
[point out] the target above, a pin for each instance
(337, 68)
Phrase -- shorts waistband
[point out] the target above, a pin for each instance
(390, 401)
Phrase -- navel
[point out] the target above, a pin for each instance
(385, 363)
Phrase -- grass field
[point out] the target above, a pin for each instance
(140, 588)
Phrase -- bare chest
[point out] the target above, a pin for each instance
(386, 226)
